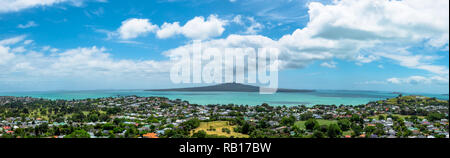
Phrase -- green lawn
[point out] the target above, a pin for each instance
(301, 124)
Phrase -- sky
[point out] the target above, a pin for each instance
(380, 45)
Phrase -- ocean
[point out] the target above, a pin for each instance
(322, 97)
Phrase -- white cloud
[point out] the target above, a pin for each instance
(7, 6)
(238, 20)
(21, 65)
(13, 40)
(361, 31)
(197, 28)
(20, 49)
(420, 62)
(6, 56)
(50, 49)
(331, 64)
(133, 28)
(27, 25)
(252, 26)
(96, 60)
(372, 83)
(27, 42)
(17, 5)
(382, 20)
(419, 80)
(361, 59)
(355, 30)
(82, 64)
(168, 30)
(394, 80)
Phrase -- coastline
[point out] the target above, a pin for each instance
(319, 97)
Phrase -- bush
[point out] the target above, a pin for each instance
(200, 134)
(226, 130)
(318, 134)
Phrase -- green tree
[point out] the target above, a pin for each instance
(344, 124)
(369, 129)
(433, 116)
(306, 116)
(355, 118)
(78, 134)
(288, 121)
(199, 134)
(311, 124)
(357, 130)
(334, 131)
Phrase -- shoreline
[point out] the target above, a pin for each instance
(272, 103)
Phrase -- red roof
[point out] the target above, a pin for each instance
(150, 135)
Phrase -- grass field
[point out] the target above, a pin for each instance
(301, 124)
(218, 125)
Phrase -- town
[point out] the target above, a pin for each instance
(158, 117)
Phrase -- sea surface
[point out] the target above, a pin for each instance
(323, 97)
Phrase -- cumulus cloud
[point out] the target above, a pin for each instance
(355, 30)
(197, 28)
(168, 30)
(382, 20)
(133, 28)
(82, 64)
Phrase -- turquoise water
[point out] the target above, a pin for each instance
(326, 97)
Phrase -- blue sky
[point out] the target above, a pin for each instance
(111, 44)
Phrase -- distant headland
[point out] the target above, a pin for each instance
(229, 87)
